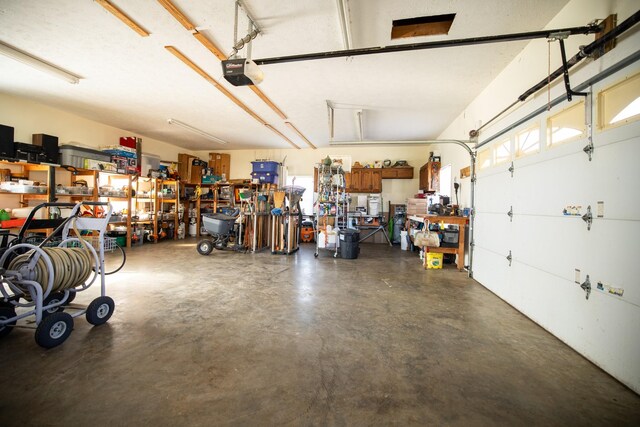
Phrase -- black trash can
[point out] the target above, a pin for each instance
(349, 246)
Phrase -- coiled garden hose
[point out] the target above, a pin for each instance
(72, 266)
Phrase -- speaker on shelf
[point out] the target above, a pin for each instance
(49, 146)
(6, 142)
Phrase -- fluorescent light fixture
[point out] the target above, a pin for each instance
(196, 131)
(345, 27)
(295, 129)
(38, 64)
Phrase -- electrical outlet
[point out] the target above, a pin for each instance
(577, 279)
(601, 209)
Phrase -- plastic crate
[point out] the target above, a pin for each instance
(264, 167)
(70, 155)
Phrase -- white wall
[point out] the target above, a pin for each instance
(29, 117)
(546, 246)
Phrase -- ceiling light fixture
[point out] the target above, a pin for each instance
(38, 64)
(295, 129)
(196, 131)
(345, 25)
(123, 17)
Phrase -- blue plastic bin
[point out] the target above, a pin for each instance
(264, 167)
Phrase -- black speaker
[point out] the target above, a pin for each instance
(6, 142)
(49, 146)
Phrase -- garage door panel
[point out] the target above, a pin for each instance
(493, 232)
(546, 188)
(493, 193)
(614, 247)
(551, 244)
(493, 272)
(561, 307)
(614, 169)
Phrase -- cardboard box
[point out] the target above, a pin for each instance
(196, 175)
(221, 164)
(184, 167)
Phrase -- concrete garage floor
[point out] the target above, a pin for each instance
(259, 339)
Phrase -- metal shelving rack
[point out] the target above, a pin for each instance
(331, 205)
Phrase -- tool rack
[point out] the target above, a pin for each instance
(331, 206)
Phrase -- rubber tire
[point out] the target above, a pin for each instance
(100, 310)
(205, 247)
(72, 296)
(7, 313)
(53, 296)
(49, 333)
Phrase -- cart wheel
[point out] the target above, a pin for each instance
(72, 296)
(205, 247)
(100, 310)
(53, 298)
(54, 330)
(5, 314)
(316, 255)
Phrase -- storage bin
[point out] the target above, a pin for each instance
(149, 161)
(71, 155)
(264, 167)
(265, 177)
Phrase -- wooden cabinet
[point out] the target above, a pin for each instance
(398, 173)
(430, 177)
(365, 180)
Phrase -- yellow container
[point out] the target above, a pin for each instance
(434, 260)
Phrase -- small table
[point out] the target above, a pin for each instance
(457, 220)
(377, 225)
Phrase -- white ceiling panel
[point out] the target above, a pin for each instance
(134, 83)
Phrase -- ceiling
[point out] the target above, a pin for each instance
(134, 83)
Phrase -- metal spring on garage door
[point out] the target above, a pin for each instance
(71, 266)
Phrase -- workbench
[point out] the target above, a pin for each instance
(460, 221)
(373, 223)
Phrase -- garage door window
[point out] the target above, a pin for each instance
(567, 125)
(619, 104)
(484, 159)
(502, 152)
(528, 142)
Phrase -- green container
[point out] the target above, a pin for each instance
(121, 241)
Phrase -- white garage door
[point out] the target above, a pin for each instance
(547, 246)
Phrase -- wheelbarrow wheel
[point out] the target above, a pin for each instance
(205, 247)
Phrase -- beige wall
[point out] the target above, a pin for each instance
(301, 162)
(29, 117)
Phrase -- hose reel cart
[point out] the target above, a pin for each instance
(41, 281)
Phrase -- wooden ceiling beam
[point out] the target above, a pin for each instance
(295, 129)
(123, 17)
(180, 17)
(217, 85)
